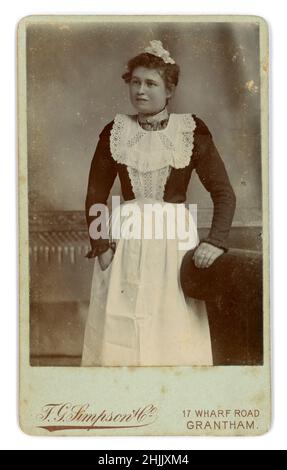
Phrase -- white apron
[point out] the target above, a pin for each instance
(138, 314)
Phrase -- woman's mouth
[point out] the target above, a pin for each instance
(141, 99)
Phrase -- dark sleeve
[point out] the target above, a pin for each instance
(102, 175)
(212, 174)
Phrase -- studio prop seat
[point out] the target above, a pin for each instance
(232, 288)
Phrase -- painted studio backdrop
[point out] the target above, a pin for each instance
(74, 89)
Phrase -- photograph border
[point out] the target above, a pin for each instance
(254, 380)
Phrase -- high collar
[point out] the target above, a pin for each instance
(153, 118)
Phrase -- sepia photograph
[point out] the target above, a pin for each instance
(144, 142)
(161, 115)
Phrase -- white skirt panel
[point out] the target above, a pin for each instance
(138, 314)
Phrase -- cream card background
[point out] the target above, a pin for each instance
(11, 435)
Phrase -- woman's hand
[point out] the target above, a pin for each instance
(106, 258)
(205, 254)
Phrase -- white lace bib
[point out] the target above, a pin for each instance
(149, 155)
(151, 150)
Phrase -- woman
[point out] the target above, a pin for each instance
(138, 314)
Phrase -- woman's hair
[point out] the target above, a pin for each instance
(169, 72)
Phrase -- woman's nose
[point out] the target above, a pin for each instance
(141, 88)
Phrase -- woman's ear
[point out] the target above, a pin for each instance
(170, 91)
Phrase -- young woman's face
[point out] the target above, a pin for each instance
(148, 92)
